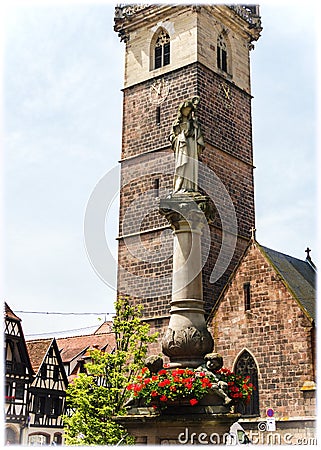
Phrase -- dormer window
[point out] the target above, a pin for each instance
(221, 53)
(162, 50)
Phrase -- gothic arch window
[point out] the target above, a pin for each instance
(222, 53)
(161, 49)
(245, 365)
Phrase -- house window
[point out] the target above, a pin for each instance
(56, 373)
(40, 405)
(57, 438)
(162, 50)
(43, 371)
(20, 391)
(55, 406)
(246, 366)
(39, 439)
(9, 351)
(247, 296)
(221, 49)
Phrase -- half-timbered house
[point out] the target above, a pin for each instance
(18, 376)
(47, 393)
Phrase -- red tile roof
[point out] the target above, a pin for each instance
(71, 347)
(37, 350)
(9, 313)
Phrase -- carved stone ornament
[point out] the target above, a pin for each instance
(192, 208)
(188, 341)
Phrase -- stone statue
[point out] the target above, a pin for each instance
(187, 143)
(214, 362)
(154, 363)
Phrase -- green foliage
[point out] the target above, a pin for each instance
(96, 397)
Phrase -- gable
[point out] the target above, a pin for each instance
(297, 276)
(15, 344)
(47, 362)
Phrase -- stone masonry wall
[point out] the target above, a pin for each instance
(275, 331)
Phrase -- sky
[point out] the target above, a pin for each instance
(62, 75)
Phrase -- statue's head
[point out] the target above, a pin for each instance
(154, 363)
(213, 361)
(188, 106)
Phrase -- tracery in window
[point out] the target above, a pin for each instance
(246, 366)
(222, 53)
(162, 50)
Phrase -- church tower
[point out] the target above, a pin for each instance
(174, 53)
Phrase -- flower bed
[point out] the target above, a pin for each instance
(239, 388)
(167, 386)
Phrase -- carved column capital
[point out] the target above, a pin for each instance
(191, 209)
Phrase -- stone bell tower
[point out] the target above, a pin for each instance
(174, 53)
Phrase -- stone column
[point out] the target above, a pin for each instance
(187, 338)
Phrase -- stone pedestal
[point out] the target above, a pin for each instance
(178, 427)
(187, 339)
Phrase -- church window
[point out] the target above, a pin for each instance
(247, 296)
(246, 366)
(221, 49)
(156, 187)
(162, 50)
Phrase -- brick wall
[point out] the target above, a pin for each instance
(275, 331)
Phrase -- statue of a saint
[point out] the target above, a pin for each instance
(187, 142)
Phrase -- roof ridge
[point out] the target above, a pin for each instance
(285, 254)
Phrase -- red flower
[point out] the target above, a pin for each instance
(162, 372)
(193, 401)
(154, 378)
(138, 387)
(154, 394)
(144, 370)
(163, 398)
